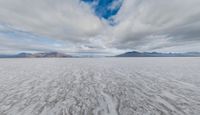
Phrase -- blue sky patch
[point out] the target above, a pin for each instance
(105, 8)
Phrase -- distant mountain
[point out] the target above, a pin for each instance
(51, 54)
(157, 54)
(21, 55)
(37, 55)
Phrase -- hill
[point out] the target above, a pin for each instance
(37, 55)
(157, 54)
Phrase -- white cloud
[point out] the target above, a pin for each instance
(155, 24)
(146, 25)
(62, 19)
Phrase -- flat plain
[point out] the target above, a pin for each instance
(100, 86)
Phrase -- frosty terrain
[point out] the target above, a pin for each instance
(100, 86)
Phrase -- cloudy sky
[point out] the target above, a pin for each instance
(99, 27)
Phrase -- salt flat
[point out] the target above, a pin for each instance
(100, 86)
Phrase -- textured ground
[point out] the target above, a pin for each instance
(100, 86)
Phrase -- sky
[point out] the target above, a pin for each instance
(99, 27)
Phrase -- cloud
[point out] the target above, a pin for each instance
(61, 18)
(155, 24)
(12, 41)
(73, 26)
(71, 21)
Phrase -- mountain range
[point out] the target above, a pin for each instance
(126, 54)
(37, 55)
(157, 54)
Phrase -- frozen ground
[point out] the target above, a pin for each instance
(104, 86)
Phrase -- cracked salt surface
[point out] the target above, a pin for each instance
(100, 86)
